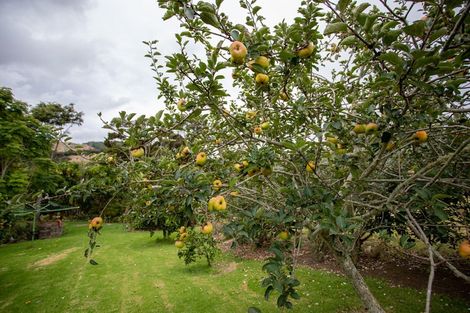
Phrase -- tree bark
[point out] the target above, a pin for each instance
(370, 303)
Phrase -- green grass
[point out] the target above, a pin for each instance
(137, 273)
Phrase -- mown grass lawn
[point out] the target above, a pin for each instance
(137, 273)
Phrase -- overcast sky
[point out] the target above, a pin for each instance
(90, 52)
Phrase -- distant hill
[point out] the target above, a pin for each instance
(98, 145)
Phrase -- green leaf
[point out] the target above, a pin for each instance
(392, 58)
(268, 292)
(333, 28)
(295, 295)
(415, 29)
(288, 145)
(210, 19)
(441, 214)
(360, 8)
(391, 36)
(252, 309)
(406, 242)
(341, 222)
(349, 41)
(343, 5)
(235, 33)
(158, 116)
(438, 34)
(286, 55)
(93, 262)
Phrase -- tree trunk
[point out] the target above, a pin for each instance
(368, 300)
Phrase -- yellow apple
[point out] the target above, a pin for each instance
(464, 249)
(245, 163)
(208, 228)
(252, 172)
(210, 205)
(249, 64)
(218, 141)
(217, 184)
(238, 167)
(185, 152)
(97, 223)
(359, 128)
(332, 140)
(238, 52)
(283, 235)
(262, 61)
(137, 153)
(265, 125)
(310, 167)
(201, 158)
(371, 127)
(250, 115)
(181, 105)
(234, 193)
(283, 95)
(257, 130)
(306, 50)
(182, 230)
(183, 236)
(421, 136)
(266, 171)
(220, 204)
(390, 146)
(179, 244)
(262, 79)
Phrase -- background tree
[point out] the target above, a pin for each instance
(62, 117)
(25, 167)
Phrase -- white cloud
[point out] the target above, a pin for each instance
(90, 53)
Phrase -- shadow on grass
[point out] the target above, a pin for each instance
(197, 269)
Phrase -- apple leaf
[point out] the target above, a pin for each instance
(210, 19)
(349, 41)
(360, 8)
(438, 34)
(333, 28)
(415, 29)
(267, 293)
(343, 5)
(392, 58)
(93, 262)
(189, 12)
(286, 55)
(235, 33)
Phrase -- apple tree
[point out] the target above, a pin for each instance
(350, 120)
